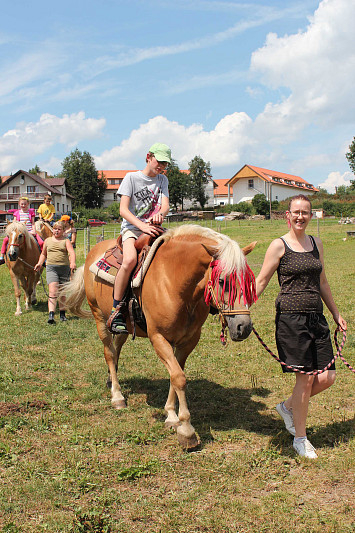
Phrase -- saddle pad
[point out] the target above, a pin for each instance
(107, 272)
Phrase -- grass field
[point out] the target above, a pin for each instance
(70, 463)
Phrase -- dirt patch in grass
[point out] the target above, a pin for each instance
(8, 408)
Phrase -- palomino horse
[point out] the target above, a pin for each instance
(44, 229)
(21, 256)
(193, 269)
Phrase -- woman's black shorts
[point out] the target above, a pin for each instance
(303, 341)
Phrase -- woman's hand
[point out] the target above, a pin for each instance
(341, 323)
(37, 267)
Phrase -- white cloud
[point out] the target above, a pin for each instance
(335, 179)
(20, 145)
(317, 68)
(224, 145)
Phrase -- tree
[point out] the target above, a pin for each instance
(82, 179)
(35, 170)
(200, 174)
(260, 204)
(350, 156)
(178, 185)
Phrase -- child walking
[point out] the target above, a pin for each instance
(144, 204)
(26, 215)
(58, 252)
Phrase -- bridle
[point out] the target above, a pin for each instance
(224, 310)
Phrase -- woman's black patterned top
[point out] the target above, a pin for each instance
(299, 279)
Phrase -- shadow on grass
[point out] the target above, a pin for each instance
(212, 406)
(217, 408)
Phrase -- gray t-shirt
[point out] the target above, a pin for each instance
(145, 195)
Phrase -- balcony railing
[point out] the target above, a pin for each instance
(16, 196)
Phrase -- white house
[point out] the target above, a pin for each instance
(250, 181)
(34, 186)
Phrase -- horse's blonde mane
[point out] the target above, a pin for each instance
(18, 226)
(228, 251)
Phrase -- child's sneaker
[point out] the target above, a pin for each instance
(51, 318)
(117, 321)
(304, 448)
(2, 259)
(287, 417)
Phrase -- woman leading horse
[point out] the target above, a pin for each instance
(193, 270)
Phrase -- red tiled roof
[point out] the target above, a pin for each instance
(272, 176)
(220, 188)
(54, 182)
(119, 175)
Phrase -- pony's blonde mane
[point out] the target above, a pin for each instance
(228, 251)
(18, 226)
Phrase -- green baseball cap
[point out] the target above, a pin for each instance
(161, 152)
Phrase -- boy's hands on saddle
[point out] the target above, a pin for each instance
(157, 219)
(153, 229)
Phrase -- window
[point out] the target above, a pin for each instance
(250, 184)
(32, 188)
(14, 190)
(58, 206)
(11, 206)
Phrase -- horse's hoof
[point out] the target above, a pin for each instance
(119, 404)
(188, 443)
(18, 313)
(171, 424)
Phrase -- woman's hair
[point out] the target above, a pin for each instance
(59, 224)
(24, 198)
(300, 197)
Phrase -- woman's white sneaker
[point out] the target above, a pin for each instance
(287, 418)
(304, 448)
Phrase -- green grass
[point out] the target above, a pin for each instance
(70, 463)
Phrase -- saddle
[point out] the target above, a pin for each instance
(114, 256)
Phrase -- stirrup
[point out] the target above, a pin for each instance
(118, 316)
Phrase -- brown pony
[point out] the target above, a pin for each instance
(44, 229)
(193, 270)
(21, 255)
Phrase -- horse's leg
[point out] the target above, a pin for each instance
(185, 431)
(16, 284)
(112, 350)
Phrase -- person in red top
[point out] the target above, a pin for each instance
(26, 215)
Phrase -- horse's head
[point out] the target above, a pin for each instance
(43, 228)
(231, 292)
(17, 234)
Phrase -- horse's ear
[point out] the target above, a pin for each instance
(247, 249)
(211, 250)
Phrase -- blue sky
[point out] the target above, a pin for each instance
(269, 83)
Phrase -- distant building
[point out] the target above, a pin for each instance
(250, 181)
(220, 192)
(34, 186)
(114, 179)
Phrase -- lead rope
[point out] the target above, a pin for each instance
(313, 372)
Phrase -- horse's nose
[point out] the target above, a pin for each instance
(13, 255)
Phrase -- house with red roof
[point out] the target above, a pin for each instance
(250, 181)
(220, 192)
(34, 186)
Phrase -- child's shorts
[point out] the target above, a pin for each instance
(303, 341)
(130, 233)
(57, 273)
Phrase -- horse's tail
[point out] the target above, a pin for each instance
(74, 294)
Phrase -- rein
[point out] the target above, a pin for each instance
(313, 372)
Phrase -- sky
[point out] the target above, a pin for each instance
(267, 83)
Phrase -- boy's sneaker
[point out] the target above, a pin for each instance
(51, 318)
(2, 259)
(117, 321)
(304, 448)
(287, 417)
(62, 316)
